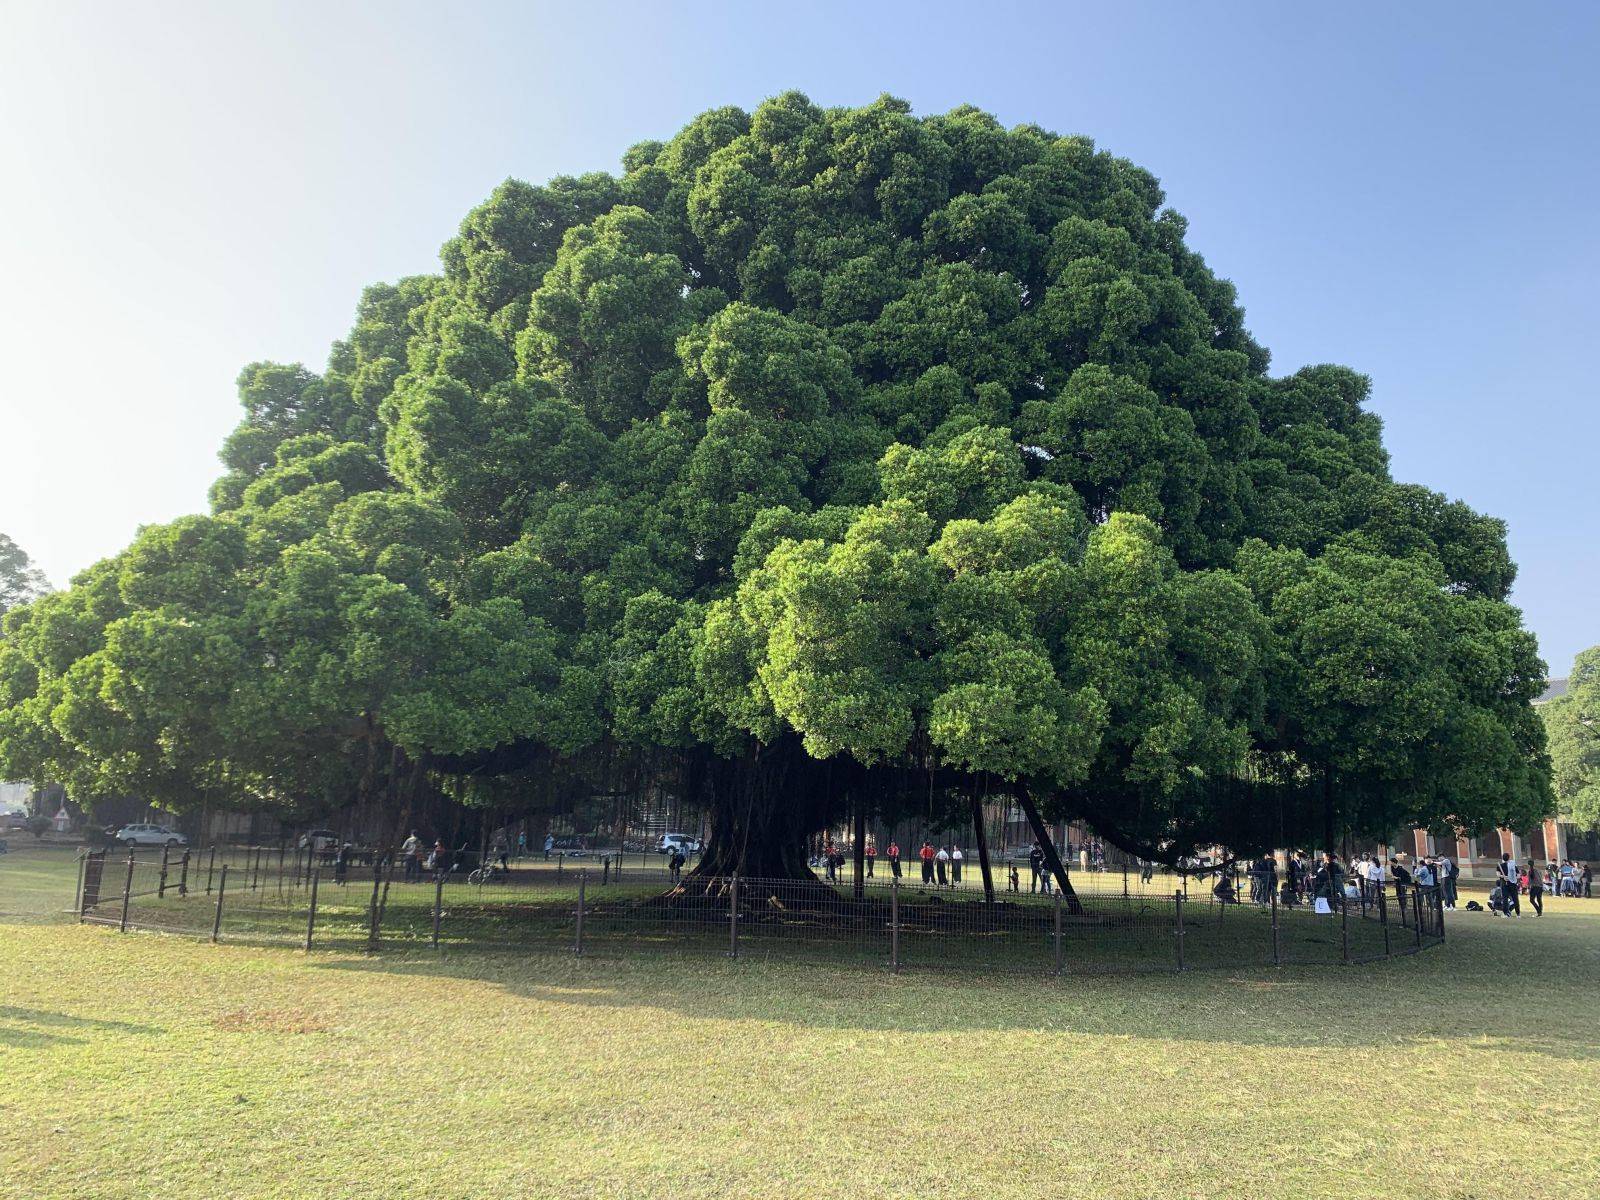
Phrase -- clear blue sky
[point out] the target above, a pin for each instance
(1409, 189)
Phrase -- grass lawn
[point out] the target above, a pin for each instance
(142, 1065)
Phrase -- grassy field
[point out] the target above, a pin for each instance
(142, 1065)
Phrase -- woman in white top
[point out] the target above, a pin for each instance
(956, 859)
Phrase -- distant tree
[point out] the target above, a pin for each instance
(20, 580)
(1573, 723)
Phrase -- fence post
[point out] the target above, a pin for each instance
(1344, 922)
(127, 894)
(583, 878)
(1059, 962)
(372, 909)
(94, 872)
(211, 866)
(560, 862)
(77, 895)
(438, 905)
(161, 880)
(222, 888)
(894, 924)
(1438, 908)
(311, 914)
(1177, 909)
(183, 874)
(733, 918)
(1277, 949)
(1416, 915)
(1383, 918)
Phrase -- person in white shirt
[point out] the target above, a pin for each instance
(941, 865)
(956, 859)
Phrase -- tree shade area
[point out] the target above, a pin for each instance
(824, 461)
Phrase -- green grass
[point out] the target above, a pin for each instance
(144, 1065)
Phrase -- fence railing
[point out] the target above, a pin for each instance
(249, 896)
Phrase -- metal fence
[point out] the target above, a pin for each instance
(263, 895)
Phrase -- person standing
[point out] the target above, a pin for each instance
(1586, 878)
(411, 848)
(956, 859)
(1035, 862)
(1447, 879)
(1507, 875)
(926, 855)
(941, 864)
(549, 845)
(894, 858)
(1535, 888)
(871, 854)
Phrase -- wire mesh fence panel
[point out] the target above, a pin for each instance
(813, 919)
(1111, 921)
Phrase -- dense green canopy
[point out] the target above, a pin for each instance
(823, 458)
(1573, 722)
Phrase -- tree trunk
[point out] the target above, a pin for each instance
(983, 847)
(1047, 846)
(860, 848)
(1328, 838)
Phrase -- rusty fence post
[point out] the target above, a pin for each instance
(311, 914)
(1277, 948)
(1060, 962)
(222, 888)
(583, 879)
(438, 906)
(1177, 910)
(894, 924)
(127, 895)
(1383, 918)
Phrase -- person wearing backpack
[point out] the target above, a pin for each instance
(1507, 874)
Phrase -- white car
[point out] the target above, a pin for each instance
(678, 841)
(319, 839)
(150, 835)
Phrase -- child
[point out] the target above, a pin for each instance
(1016, 884)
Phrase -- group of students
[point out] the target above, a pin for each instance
(1308, 880)
(1512, 882)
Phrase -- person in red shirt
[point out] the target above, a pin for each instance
(926, 855)
(894, 859)
(872, 855)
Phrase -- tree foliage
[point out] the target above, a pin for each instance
(1573, 724)
(20, 580)
(823, 457)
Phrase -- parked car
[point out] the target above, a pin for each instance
(11, 822)
(319, 839)
(678, 841)
(150, 835)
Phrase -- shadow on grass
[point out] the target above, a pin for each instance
(31, 1028)
(1467, 990)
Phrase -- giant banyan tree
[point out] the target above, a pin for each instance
(822, 462)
